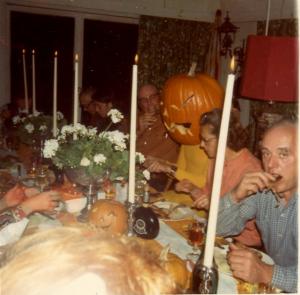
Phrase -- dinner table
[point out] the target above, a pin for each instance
(173, 229)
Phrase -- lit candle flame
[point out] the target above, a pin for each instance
(232, 64)
(23, 51)
(136, 59)
(33, 52)
(55, 53)
(76, 57)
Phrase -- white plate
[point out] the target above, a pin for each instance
(75, 205)
(179, 213)
(220, 258)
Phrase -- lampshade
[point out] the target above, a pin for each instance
(270, 69)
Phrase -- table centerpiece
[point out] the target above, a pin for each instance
(32, 127)
(87, 156)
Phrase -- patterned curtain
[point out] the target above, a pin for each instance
(284, 27)
(169, 46)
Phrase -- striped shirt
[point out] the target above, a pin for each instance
(278, 228)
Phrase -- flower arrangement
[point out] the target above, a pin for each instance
(36, 126)
(82, 147)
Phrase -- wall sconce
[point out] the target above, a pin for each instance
(226, 33)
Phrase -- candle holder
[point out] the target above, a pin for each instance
(205, 279)
(90, 196)
(130, 209)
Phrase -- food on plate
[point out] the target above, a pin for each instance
(171, 210)
(248, 288)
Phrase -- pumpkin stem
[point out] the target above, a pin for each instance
(163, 256)
(192, 70)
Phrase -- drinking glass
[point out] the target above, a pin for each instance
(195, 239)
(42, 181)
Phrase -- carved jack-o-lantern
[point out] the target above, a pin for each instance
(185, 98)
(110, 216)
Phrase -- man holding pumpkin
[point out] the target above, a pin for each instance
(185, 97)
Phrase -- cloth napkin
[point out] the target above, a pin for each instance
(12, 232)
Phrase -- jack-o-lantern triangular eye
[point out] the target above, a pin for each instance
(165, 113)
(187, 100)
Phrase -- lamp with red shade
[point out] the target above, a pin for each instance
(270, 70)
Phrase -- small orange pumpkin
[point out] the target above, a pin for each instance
(110, 216)
(185, 98)
(176, 268)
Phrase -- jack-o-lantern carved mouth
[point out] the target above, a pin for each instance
(107, 222)
(182, 128)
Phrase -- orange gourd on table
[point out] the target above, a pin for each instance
(185, 98)
(176, 268)
(110, 216)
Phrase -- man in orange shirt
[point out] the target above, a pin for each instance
(152, 137)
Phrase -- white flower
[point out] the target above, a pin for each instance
(146, 174)
(85, 162)
(117, 138)
(16, 120)
(141, 157)
(80, 129)
(91, 132)
(99, 159)
(50, 148)
(59, 115)
(29, 127)
(116, 116)
(43, 128)
(36, 113)
(67, 129)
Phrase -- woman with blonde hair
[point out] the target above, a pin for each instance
(65, 261)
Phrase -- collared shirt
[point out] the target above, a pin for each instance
(278, 227)
(156, 142)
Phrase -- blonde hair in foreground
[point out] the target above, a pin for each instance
(73, 261)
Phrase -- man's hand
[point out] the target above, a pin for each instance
(201, 201)
(252, 183)
(185, 186)
(46, 201)
(247, 265)
(14, 196)
(145, 121)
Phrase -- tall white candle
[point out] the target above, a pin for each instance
(217, 182)
(75, 113)
(133, 113)
(55, 96)
(33, 83)
(25, 81)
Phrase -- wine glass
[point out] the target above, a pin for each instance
(42, 181)
(195, 239)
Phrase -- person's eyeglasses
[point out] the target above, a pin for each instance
(207, 140)
(87, 105)
(151, 96)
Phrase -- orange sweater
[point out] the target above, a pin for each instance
(233, 172)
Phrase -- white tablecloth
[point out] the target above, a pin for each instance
(179, 246)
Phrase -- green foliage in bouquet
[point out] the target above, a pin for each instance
(81, 147)
(34, 127)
